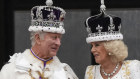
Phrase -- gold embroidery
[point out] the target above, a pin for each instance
(41, 75)
(48, 62)
(90, 72)
(31, 74)
(127, 71)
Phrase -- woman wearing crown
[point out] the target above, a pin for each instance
(108, 49)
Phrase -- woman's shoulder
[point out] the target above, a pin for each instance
(90, 67)
(132, 62)
(90, 71)
(133, 68)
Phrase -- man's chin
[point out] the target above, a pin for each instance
(54, 53)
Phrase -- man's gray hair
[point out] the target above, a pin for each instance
(32, 36)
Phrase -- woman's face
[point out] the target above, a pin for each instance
(99, 52)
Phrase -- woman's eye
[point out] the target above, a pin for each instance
(97, 45)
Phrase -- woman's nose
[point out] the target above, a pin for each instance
(93, 49)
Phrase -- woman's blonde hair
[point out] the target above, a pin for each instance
(118, 50)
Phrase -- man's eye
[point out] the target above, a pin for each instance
(54, 37)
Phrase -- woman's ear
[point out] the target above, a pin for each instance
(37, 39)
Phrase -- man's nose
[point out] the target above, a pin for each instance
(58, 41)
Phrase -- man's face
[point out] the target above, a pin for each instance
(50, 44)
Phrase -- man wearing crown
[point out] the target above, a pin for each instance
(40, 61)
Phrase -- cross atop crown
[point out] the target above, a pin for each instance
(51, 17)
(99, 28)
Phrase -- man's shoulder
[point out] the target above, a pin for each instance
(8, 66)
(17, 56)
(14, 57)
(12, 61)
(17, 59)
(57, 63)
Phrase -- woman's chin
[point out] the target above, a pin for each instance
(97, 61)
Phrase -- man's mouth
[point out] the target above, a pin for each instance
(54, 48)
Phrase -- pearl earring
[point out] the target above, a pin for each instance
(109, 53)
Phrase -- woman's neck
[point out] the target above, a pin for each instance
(108, 66)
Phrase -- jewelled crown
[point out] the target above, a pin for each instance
(103, 27)
(47, 18)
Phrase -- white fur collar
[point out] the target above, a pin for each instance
(26, 62)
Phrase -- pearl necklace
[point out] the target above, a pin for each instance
(110, 74)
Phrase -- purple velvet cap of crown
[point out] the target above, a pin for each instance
(47, 19)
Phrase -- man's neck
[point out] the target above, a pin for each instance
(37, 52)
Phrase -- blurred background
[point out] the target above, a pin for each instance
(15, 20)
